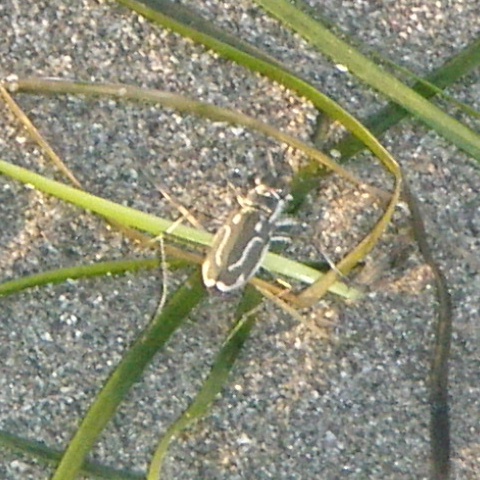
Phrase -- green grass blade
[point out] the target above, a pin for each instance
(154, 225)
(455, 68)
(61, 275)
(123, 215)
(157, 12)
(216, 380)
(189, 23)
(127, 373)
(462, 64)
(53, 456)
(366, 70)
(315, 291)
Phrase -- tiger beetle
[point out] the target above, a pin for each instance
(240, 245)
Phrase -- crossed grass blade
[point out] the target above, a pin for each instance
(121, 380)
(128, 372)
(216, 380)
(407, 100)
(169, 16)
(366, 70)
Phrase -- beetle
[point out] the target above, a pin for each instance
(240, 245)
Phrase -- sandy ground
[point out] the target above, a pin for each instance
(297, 406)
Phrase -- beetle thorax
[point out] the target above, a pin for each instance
(265, 199)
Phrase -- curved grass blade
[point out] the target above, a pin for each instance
(61, 275)
(216, 380)
(366, 70)
(45, 454)
(465, 62)
(439, 409)
(455, 68)
(129, 371)
(163, 13)
(189, 23)
(194, 107)
(220, 114)
(155, 13)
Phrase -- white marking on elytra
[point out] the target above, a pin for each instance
(281, 239)
(246, 252)
(227, 230)
(276, 213)
(269, 204)
(243, 279)
(209, 282)
(258, 226)
(237, 218)
(239, 282)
